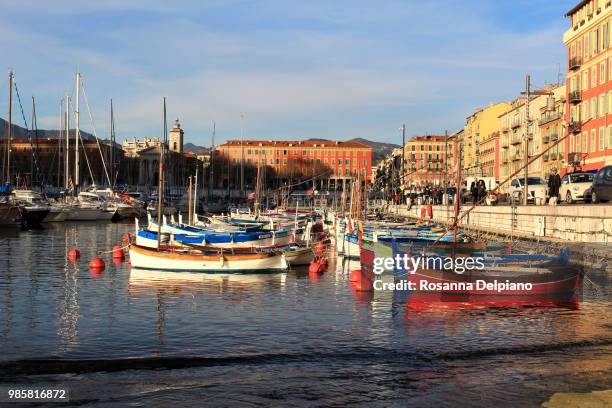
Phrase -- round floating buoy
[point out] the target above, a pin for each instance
(317, 266)
(97, 263)
(118, 252)
(363, 285)
(96, 272)
(355, 275)
(74, 254)
(118, 261)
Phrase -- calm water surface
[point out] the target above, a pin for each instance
(128, 337)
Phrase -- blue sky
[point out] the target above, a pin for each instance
(333, 69)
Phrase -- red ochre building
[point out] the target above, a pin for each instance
(331, 160)
(589, 79)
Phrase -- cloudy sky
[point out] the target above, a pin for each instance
(294, 69)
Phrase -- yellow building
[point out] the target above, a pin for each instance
(544, 129)
(481, 126)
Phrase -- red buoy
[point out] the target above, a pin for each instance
(320, 249)
(126, 239)
(74, 254)
(364, 284)
(317, 266)
(97, 263)
(118, 252)
(355, 275)
(96, 272)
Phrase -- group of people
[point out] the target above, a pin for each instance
(478, 190)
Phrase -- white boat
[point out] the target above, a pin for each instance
(57, 213)
(35, 199)
(33, 206)
(178, 259)
(80, 212)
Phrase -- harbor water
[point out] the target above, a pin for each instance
(144, 338)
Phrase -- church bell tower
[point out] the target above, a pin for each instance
(175, 138)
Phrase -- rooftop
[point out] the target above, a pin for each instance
(577, 7)
(296, 143)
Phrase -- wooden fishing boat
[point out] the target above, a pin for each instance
(552, 280)
(170, 258)
(295, 255)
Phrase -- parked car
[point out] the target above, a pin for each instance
(574, 185)
(601, 189)
(537, 188)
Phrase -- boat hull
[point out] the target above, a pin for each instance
(83, 214)
(195, 261)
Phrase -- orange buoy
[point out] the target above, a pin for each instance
(118, 252)
(363, 285)
(355, 275)
(74, 254)
(317, 266)
(96, 272)
(97, 263)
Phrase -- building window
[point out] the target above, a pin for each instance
(593, 77)
(609, 143)
(601, 138)
(592, 140)
(593, 108)
(348, 162)
(602, 72)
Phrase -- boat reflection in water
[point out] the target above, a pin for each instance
(141, 281)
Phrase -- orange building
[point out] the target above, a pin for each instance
(325, 159)
(589, 94)
(425, 158)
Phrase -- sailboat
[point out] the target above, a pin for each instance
(83, 207)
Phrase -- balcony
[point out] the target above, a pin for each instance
(575, 63)
(575, 97)
(575, 126)
(554, 137)
(515, 122)
(545, 139)
(545, 156)
(504, 143)
(516, 139)
(549, 117)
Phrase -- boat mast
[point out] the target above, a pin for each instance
(10, 129)
(112, 145)
(211, 187)
(76, 133)
(160, 185)
(195, 193)
(458, 189)
(67, 152)
(189, 208)
(59, 143)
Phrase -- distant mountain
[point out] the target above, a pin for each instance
(190, 147)
(379, 149)
(22, 133)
